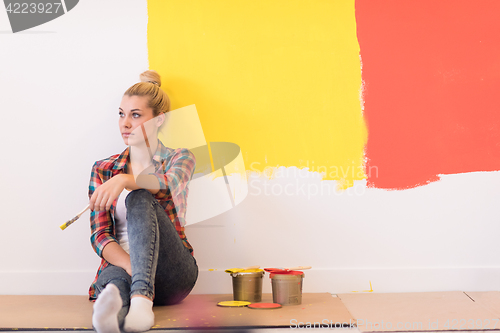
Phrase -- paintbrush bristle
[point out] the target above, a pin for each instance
(65, 225)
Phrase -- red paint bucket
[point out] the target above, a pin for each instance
(287, 287)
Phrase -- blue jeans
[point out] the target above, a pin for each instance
(162, 267)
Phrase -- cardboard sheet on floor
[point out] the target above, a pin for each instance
(196, 311)
(202, 311)
(488, 299)
(72, 312)
(427, 311)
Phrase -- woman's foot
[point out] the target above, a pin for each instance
(140, 317)
(106, 308)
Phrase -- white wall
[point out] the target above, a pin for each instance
(60, 86)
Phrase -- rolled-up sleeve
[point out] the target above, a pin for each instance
(101, 223)
(174, 180)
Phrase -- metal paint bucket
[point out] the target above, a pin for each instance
(247, 285)
(287, 288)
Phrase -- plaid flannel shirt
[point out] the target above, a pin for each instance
(174, 169)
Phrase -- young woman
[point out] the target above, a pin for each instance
(138, 205)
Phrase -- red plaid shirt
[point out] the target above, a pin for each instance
(173, 167)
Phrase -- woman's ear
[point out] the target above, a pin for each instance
(160, 119)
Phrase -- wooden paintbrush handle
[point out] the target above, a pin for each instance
(83, 211)
(299, 268)
(251, 267)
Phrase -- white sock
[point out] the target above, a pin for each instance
(106, 308)
(140, 317)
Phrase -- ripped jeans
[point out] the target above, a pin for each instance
(162, 267)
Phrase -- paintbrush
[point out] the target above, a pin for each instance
(65, 225)
(237, 270)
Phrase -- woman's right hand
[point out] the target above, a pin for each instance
(106, 193)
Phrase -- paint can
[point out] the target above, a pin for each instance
(287, 287)
(247, 285)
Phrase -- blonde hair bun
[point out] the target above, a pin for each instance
(151, 76)
(158, 99)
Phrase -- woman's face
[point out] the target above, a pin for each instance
(133, 112)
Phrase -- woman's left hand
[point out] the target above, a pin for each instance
(105, 194)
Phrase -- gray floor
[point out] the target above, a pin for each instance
(263, 330)
(242, 330)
